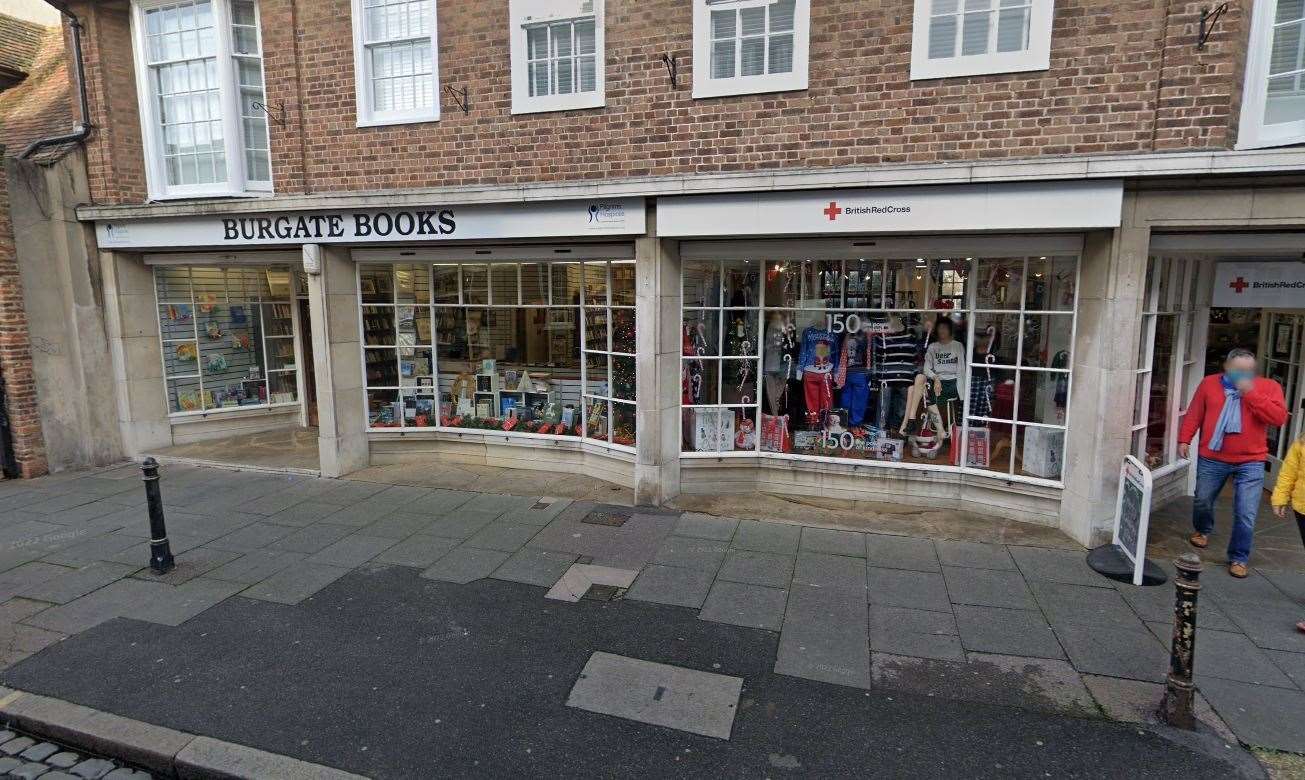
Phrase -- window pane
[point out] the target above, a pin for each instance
(534, 283)
(475, 284)
(722, 59)
(588, 74)
(781, 54)
(752, 21)
(752, 57)
(1043, 397)
(623, 284)
(1042, 452)
(1013, 29)
(584, 37)
(781, 15)
(722, 24)
(505, 292)
(974, 33)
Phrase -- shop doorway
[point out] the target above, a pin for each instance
(1281, 348)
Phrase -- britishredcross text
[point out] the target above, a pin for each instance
(319, 226)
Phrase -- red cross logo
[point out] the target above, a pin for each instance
(833, 211)
(1239, 285)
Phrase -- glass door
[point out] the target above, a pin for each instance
(1282, 353)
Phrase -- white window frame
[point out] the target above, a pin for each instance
(704, 86)
(523, 14)
(363, 81)
(156, 177)
(1036, 57)
(1253, 133)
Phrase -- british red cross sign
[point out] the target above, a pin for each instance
(832, 211)
(1258, 284)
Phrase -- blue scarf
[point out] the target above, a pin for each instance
(1230, 419)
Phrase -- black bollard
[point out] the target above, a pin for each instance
(160, 551)
(1178, 709)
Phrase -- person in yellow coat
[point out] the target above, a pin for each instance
(1289, 492)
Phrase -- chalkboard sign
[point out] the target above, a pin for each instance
(1133, 513)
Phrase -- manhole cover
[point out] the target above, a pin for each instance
(605, 518)
(603, 593)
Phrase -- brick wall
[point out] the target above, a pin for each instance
(1125, 77)
(15, 350)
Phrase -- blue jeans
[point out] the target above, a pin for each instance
(855, 396)
(1248, 487)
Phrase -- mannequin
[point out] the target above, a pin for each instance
(940, 380)
(853, 376)
(779, 361)
(896, 355)
(816, 366)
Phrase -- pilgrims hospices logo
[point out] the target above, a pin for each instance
(606, 216)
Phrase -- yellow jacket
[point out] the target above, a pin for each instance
(1291, 480)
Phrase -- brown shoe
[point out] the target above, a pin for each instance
(1238, 570)
(1301, 626)
(1199, 540)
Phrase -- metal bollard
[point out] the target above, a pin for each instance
(1178, 709)
(160, 551)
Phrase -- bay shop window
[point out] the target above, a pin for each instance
(535, 349)
(227, 337)
(953, 362)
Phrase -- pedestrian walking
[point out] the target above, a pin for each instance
(1289, 492)
(1232, 411)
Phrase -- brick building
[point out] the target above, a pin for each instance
(960, 256)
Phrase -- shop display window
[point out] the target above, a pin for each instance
(1166, 359)
(958, 362)
(227, 336)
(544, 349)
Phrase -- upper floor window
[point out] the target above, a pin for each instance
(557, 54)
(748, 46)
(199, 71)
(1273, 104)
(973, 37)
(396, 63)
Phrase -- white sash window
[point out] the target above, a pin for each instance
(749, 46)
(973, 37)
(396, 63)
(199, 72)
(557, 55)
(1273, 105)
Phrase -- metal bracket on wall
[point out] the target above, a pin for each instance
(672, 69)
(460, 97)
(277, 115)
(1209, 18)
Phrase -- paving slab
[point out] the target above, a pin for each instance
(915, 633)
(1070, 566)
(346, 492)
(1034, 683)
(1228, 656)
(465, 564)
(399, 525)
(461, 526)
(755, 535)
(770, 570)
(420, 551)
(1237, 594)
(1063, 602)
(312, 538)
(189, 565)
(30, 575)
(17, 609)
(97, 548)
(1270, 625)
(837, 572)
(672, 585)
(1260, 715)
(174, 605)
(629, 546)
(1157, 604)
(256, 566)
(832, 542)
(535, 567)
(255, 536)
(1291, 583)
(999, 631)
(1292, 664)
(658, 694)
(504, 535)
(109, 602)
(295, 583)
(1138, 701)
(702, 526)
(901, 552)
(353, 550)
(1114, 651)
(988, 588)
(303, 514)
(905, 588)
(741, 604)
(974, 555)
(577, 580)
(691, 553)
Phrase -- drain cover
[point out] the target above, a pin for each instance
(612, 519)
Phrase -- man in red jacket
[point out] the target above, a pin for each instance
(1232, 410)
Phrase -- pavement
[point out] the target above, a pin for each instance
(386, 629)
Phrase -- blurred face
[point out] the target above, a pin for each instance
(944, 330)
(1239, 368)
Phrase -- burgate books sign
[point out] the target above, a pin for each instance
(556, 219)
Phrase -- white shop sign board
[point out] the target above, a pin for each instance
(1076, 205)
(552, 219)
(1260, 285)
(1133, 514)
